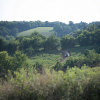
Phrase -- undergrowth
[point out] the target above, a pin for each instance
(48, 60)
(74, 84)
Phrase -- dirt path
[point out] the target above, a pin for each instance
(63, 54)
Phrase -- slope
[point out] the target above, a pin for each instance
(46, 31)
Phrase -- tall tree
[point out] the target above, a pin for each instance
(51, 43)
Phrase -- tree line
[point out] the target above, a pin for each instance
(31, 43)
(89, 36)
(8, 30)
(35, 41)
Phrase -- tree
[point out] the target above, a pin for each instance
(67, 42)
(58, 28)
(25, 43)
(51, 43)
(9, 37)
(5, 62)
(12, 63)
(36, 42)
(58, 66)
(67, 29)
(13, 46)
(2, 44)
(14, 31)
(71, 23)
(92, 28)
(19, 60)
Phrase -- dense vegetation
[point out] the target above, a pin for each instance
(89, 36)
(9, 30)
(75, 84)
(31, 68)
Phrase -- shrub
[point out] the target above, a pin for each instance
(39, 67)
(75, 84)
(12, 63)
(90, 58)
(58, 66)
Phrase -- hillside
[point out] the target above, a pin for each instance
(46, 31)
(9, 30)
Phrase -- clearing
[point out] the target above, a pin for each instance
(46, 31)
(48, 58)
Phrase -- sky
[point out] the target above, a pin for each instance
(50, 10)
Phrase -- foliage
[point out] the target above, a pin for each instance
(44, 28)
(2, 44)
(47, 59)
(12, 46)
(36, 40)
(90, 58)
(67, 42)
(9, 37)
(51, 43)
(90, 36)
(5, 61)
(63, 29)
(12, 63)
(19, 60)
(39, 67)
(87, 37)
(74, 84)
(29, 51)
(58, 66)
(35, 80)
(31, 43)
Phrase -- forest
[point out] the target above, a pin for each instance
(32, 66)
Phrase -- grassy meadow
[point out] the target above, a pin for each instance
(46, 31)
(48, 58)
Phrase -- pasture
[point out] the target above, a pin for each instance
(46, 31)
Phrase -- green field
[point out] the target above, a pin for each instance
(46, 31)
(48, 59)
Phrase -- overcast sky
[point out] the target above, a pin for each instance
(50, 10)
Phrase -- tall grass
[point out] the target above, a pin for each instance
(74, 84)
(48, 59)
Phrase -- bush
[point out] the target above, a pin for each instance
(74, 84)
(12, 63)
(5, 62)
(58, 66)
(90, 58)
(39, 67)
(19, 60)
